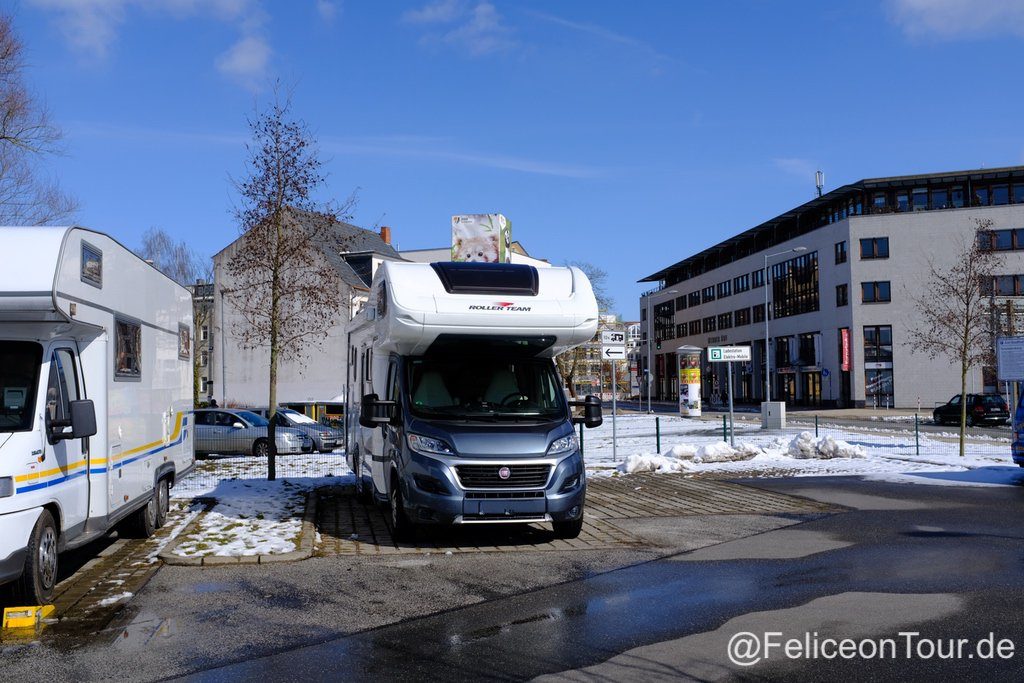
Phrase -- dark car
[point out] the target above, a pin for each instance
(981, 409)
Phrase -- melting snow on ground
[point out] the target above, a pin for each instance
(697, 446)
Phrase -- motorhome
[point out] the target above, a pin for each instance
(457, 412)
(96, 384)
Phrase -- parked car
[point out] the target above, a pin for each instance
(242, 432)
(981, 409)
(325, 439)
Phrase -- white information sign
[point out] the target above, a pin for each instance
(728, 354)
(613, 338)
(613, 353)
(1010, 359)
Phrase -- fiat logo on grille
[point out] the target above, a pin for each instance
(504, 473)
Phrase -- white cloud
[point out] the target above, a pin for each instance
(327, 10)
(91, 27)
(953, 19)
(598, 32)
(476, 31)
(439, 12)
(246, 61)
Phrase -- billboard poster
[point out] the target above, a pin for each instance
(844, 360)
(689, 381)
(482, 238)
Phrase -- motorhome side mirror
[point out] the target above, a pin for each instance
(83, 419)
(591, 416)
(375, 412)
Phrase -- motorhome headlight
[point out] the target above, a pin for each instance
(429, 445)
(565, 444)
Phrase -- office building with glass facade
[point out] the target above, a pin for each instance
(846, 279)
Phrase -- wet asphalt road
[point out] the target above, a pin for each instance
(945, 561)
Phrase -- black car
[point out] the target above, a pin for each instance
(981, 409)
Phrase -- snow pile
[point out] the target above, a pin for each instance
(806, 446)
(106, 602)
(645, 462)
(723, 452)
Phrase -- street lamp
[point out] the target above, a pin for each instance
(767, 364)
(650, 344)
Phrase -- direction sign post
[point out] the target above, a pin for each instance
(729, 355)
(613, 348)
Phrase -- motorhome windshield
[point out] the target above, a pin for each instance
(19, 374)
(485, 388)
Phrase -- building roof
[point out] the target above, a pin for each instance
(767, 234)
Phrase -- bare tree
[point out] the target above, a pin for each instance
(574, 360)
(956, 308)
(286, 293)
(27, 196)
(183, 264)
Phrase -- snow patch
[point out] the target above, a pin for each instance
(805, 445)
(105, 602)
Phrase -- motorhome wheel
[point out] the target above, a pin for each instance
(36, 584)
(163, 502)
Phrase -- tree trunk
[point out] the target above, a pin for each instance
(275, 315)
(963, 403)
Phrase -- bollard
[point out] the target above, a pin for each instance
(917, 440)
(581, 441)
(657, 434)
(725, 429)
(815, 426)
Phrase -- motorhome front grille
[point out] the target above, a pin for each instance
(503, 495)
(489, 476)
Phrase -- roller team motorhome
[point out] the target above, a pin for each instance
(463, 418)
(96, 389)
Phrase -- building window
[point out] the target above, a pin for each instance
(1007, 285)
(680, 330)
(742, 317)
(741, 283)
(842, 295)
(643, 314)
(902, 201)
(919, 197)
(1002, 240)
(709, 324)
(708, 294)
(807, 349)
(694, 327)
(878, 202)
(980, 197)
(1000, 194)
(204, 333)
(693, 298)
(758, 312)
(841, 252)
(724, 289)
(940, 198)
(663, 314)
(204, 358)
(957, 196)
(878, 384)
(680, 303)
(757, 278)
(724, 320)
(874, 247)
(205, 384)
(795, 286)
(783, 359)
(875, 292)
(127, 349)
(1018, 194)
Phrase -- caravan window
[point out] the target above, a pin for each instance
(127, 349)
(92, 265)
(19, 375)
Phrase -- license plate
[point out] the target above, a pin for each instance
(510, 507)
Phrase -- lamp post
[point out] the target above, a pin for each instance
(767, 357)
(650, 344)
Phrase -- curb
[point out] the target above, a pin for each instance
(306, 543)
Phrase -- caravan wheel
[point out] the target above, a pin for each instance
(163, 502)
(35, 587)
(142, 522)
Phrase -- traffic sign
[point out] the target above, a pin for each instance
(613, 338)
(727, 354)
(613, 353)
(825, 372)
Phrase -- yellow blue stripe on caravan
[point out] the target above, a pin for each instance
(100, 465)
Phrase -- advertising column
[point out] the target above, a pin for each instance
(689, 380)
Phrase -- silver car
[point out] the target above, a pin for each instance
(325, 439)
(241, 432)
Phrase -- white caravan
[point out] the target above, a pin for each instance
(456, 411)
(96, 389)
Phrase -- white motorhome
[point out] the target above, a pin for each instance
(96, 389)
(456, 413)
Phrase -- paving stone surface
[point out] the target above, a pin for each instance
(347, 527)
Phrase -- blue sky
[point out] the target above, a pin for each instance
(629, 135)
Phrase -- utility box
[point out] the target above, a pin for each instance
(773, 415)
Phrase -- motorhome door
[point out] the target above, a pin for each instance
(66, 460)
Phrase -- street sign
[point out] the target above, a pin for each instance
(613, 353)
(825, 372)
(1010, 359)
(728, 354)
(613, 338)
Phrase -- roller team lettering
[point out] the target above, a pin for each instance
(500, 306)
